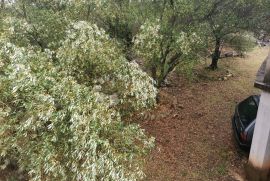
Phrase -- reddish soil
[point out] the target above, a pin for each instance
(192, 124)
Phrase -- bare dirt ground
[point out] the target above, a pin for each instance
(192, 123)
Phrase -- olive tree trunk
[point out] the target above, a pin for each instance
(216, 55)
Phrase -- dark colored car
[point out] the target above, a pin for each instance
(243, 121)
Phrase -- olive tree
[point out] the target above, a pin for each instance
(260, 21)
(36, 24)
(223, 18)
(120, 19)
(167, 38)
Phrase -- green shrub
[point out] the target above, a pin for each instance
(241, 42)
(62, 116)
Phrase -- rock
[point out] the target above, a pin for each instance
(145, 116)
(97, 88)
(114, 100)
(236, 176)
(181, 106)
(152, 117)
(174, 100)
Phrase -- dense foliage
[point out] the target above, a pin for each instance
(66, 89)
(223, 19)
(163, 53)
(167, 38)
(241, 43)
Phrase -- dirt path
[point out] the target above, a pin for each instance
(192, 125)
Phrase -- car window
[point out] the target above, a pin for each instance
(257, 99)
(248, 109)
